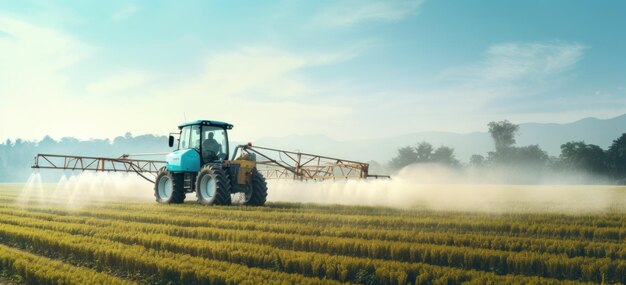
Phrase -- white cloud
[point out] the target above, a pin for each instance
(261, 70)
(511, 70)
(124, 12)
(514, 61)
(247, 68)
(257, 89)
(349, 13)
(118, 82)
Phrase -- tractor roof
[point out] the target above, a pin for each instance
(207, 123)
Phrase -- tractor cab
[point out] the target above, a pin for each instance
(200, 142)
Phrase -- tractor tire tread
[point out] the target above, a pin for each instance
(259, 189)
(222, 190)
(178, 193)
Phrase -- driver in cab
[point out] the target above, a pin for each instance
(210, 147)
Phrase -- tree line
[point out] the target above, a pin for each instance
(575, 156)
(17, 156)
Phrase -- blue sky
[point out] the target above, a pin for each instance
(344, 69)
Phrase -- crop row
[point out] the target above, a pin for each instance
(316, 264)
(443, 237)
(599, 227)
(464, 223)
(589, 219)
(168, 266)
(400, 220)
(356, 216)
(35, 269)
(341, 268)
(570, 248)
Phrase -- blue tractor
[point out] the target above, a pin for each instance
(201, 165)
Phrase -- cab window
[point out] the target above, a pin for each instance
(194, 141)
(184, 138)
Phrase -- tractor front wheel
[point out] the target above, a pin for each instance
(257, 190)
(213, 186)
(168, 188)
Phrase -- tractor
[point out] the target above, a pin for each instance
(200, 164)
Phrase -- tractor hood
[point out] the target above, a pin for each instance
(183, 160)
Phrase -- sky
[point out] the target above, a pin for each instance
(342, 69)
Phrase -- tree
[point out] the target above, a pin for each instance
(477, 161)
(581, 156)
(47, 141)
(521, 156)
(503, 134)
(616, 156)
(68, 140)
(406, 155)
(530, 155)
(444, 155)
(424, 152)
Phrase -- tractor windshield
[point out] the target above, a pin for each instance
(183, 143)
(190, 137)
(214, 144)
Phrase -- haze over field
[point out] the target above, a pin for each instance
(438, 188)
(424, 187)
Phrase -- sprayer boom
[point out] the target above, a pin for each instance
(272, 163)
(141, 167)
(283, 164)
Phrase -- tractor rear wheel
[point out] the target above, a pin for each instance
(213, 186)
(168, 188)
(258, 190)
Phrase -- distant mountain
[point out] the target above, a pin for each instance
(591, 130)
(549, 136)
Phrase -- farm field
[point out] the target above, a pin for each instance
(43, 241)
